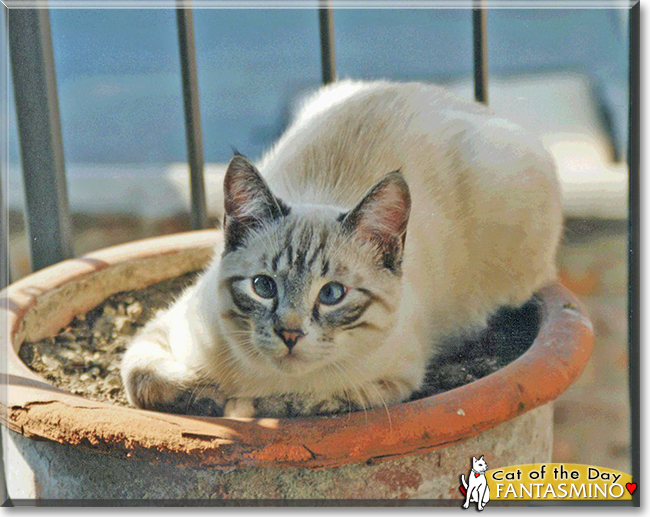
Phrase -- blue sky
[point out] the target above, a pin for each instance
(119, 77)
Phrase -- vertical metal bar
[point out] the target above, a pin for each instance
(326, 24)
(39, 127)
(634, 297)
(479, 25)
(192, 117)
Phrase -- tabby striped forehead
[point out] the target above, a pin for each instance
(302, 246)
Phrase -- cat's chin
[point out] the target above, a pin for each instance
(293, 365)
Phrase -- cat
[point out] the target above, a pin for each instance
(477, 488)
(388, 216)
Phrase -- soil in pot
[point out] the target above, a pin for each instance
(84, 358)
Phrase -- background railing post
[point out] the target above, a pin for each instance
(479, 27)
(326, 24)
(39, 127)
(192, 117)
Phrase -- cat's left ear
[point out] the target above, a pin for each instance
(382, 216)
(248, 201)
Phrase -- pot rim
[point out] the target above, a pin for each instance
(37, 409)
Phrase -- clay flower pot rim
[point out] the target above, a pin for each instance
(35, 408)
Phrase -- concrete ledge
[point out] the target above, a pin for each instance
(591, 188)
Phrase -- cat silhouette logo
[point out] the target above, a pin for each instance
(476, 489)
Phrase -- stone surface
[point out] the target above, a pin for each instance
(46, 470)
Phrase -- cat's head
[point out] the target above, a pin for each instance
(305, 287)
(479, 465)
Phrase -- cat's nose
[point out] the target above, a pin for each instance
(290, 336)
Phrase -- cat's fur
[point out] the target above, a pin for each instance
(482, 204)
(478, 490)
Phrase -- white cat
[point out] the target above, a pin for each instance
(387, 217)
(478, 490)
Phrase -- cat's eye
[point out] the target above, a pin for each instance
(264, 286)
(331, 293)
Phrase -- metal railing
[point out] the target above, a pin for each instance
(192, 117)
(41, 148)
(49, 227)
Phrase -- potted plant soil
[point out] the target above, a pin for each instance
(70, 435)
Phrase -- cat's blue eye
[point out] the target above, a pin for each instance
(331, 293)
(264, 286)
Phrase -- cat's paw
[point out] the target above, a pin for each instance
(395, 390)
(147, 389)
(239, 408)
(291, 405)
(382, 392)
(153, 388)
(205, 400)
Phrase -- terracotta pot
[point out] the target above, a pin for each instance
(65, 446)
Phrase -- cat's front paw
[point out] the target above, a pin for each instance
(383, 392)
(149, 389)
(206, 400)
(290, 405)
(239, 408)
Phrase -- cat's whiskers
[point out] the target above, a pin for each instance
(358, 388)
(356, 366)
(205, 381)
(340, 374)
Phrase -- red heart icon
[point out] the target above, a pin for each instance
(631, 487)
(475, 475)
(463, 490)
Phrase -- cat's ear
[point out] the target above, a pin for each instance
(481, 458)
(473, 459)
(382, 216)
(248, 201)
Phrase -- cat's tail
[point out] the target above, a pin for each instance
(462, 479)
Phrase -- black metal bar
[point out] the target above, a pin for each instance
(192, 117)
(326, 24)
(634, 247)
(39, 127)
(479, 25)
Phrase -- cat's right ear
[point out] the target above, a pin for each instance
(382, 216)
(248, 201)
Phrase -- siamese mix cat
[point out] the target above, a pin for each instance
(388, 216)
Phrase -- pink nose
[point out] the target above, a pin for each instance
(290, 336)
